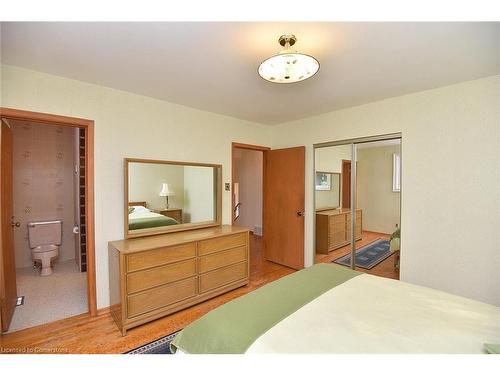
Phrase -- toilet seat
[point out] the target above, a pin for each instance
(44, 248)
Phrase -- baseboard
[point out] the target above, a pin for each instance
(104, 311)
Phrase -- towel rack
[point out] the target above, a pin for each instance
(44, 222)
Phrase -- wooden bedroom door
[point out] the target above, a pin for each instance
(8, 289)
(284, 176)
(346, 184)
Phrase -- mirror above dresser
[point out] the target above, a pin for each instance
(170, 196)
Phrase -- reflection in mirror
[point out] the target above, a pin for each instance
(328, 163)
(164, 196)
(332, 201)
(327, 190)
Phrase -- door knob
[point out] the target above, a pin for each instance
(300, 213)
(16, 224)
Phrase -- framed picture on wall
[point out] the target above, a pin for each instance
(323, 181)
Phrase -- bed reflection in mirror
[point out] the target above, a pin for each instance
(169, 196)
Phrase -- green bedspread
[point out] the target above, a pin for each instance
(151, 222)
(234, 326)
(492, 348)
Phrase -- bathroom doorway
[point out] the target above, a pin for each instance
(47, 271)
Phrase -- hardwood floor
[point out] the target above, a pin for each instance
(385, 268)
(85, 334)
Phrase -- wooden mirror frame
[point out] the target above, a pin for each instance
(179, 227)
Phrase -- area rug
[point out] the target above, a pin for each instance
(368, 256)
(160, 346)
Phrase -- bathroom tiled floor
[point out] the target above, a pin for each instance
(58, 296)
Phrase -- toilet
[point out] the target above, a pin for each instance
(44, 241)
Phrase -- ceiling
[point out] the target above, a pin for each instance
(213, 66)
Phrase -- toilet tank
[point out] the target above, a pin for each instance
(44, 233)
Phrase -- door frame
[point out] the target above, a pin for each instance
(353, 142)
(245, 146)
(88, 125)
(7, 261)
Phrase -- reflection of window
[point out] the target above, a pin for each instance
(396, 172)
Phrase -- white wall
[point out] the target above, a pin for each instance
(129, 125)
(249, 177)
(380, 205)
(451, 180)
(145, 182)
(329, 159)
(199, 194)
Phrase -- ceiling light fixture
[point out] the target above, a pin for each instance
(288, 66)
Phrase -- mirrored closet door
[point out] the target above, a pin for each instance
(357, 195)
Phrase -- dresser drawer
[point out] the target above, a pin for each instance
(358, 216)
(338, 218)
(161, 296)
(358, 225)
(223, 276)
(152, 277)
(157, 257)
(358, 232)
(337, 227)
(222, 258)
(337, 238)
(221, 243)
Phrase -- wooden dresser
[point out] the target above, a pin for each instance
(333, 229)
(151, 277)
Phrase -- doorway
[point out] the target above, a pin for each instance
(346, 183)
(248, 167)
(46, 196)
(247, 200)
(268, 188)
(363, 231)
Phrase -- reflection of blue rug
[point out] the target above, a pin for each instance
(160, 346)
(368, 256)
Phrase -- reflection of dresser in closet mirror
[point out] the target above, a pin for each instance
(165, 196)
(332, 222)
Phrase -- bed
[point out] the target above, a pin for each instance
(141, 217)
(328, 308)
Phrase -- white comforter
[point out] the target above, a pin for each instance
(370, 314)
(143, 214)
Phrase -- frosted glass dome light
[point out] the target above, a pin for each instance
(288, 66)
